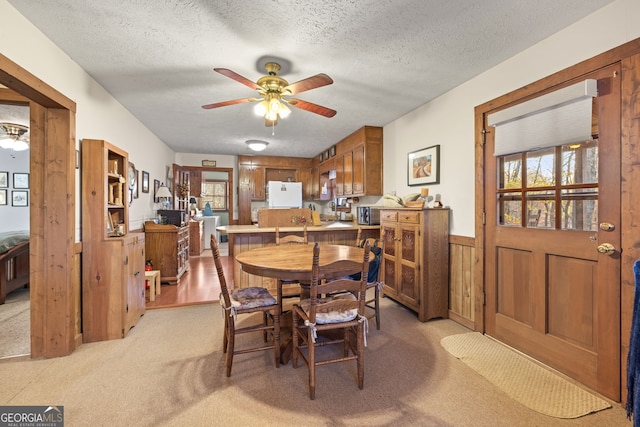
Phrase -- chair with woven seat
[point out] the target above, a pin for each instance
(246, 301)
(341, 314)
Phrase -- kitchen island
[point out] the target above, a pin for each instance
(245, 237)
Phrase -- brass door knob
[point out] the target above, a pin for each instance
(606, 249)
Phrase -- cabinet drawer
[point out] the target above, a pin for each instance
(388, 216)
(409, 217)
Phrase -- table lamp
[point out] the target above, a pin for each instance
(165, 196)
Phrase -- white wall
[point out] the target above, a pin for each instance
(449, 119)
(14, 218)
(98, 116)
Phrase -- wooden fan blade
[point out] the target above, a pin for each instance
(237, 77)
(314, 108)
(309, 83)
(225, 103)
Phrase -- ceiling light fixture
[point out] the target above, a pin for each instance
(257, 145)
(12, 137)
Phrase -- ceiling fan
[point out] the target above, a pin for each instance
(275, 94)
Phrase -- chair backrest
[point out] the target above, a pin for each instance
(343, 284)
(377, 249)
(223, 282)
(291, 238)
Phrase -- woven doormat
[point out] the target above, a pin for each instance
(533, 385)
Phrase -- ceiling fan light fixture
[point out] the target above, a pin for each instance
(12, 137)
(284, 110)
(257, 145)
(261, 108)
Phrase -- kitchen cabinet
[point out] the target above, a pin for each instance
(258, 184)
(415, 262)
(112, 257)
(167, 246)
(359, 164)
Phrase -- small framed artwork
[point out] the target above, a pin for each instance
(326, 155)
(156, 185)
(3, 197)
(332, 151)
(423, 166)
(19, 198)
(20, 180)
(209, 163)
(4, 179)
(135, 189)
(145, 182)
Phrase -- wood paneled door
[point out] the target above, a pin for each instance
(549, 291)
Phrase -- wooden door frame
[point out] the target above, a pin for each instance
(628, 55)
(54, 255)
(216, 169)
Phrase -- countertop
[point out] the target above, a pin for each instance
(329, 226)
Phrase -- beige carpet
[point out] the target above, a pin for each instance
(533, 385)
(15, 324)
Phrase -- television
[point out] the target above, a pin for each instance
(172, 216)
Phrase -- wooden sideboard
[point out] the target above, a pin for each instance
(415, 263)
(167, 246)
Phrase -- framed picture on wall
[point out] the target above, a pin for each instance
(20, 180)
(19, 198)
(156, 185)
(3, 197)
(423, 166)
(145, 182)
(4, 179)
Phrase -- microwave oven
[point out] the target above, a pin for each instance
(368, 215)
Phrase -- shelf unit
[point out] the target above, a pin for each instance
(112, 257)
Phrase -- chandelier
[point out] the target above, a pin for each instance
(12, 137)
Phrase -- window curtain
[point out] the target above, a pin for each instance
(557, 118)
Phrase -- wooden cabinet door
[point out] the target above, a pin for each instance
(134, 282)
(258, 185)
(315, 183)
(304, 176)
(348, 174)
(358, 171)
(390, 258)
(407, 264)
(339, 168)
(244, 194)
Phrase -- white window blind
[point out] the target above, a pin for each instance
(557, 118)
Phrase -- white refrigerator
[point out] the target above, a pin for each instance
(282, 194)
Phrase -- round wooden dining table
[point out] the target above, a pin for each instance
(293, 262)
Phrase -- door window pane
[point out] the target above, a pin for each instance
(511, 171)
(510, 208)
(580, 209)
(541, 168)
(580, 163)
(541, 208)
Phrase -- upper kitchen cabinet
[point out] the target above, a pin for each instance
(359, 163)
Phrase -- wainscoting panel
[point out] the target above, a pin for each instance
(461, 289)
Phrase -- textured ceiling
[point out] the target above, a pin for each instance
(386, 57)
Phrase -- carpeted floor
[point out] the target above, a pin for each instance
(529, 383)
(169, 371)
(15, 324)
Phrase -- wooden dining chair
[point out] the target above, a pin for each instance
(342, 312)
(374, 280)
(246, 301)
(290, 288)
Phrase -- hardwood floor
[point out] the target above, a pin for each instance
(199, 285)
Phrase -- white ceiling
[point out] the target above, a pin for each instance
(386, 58)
